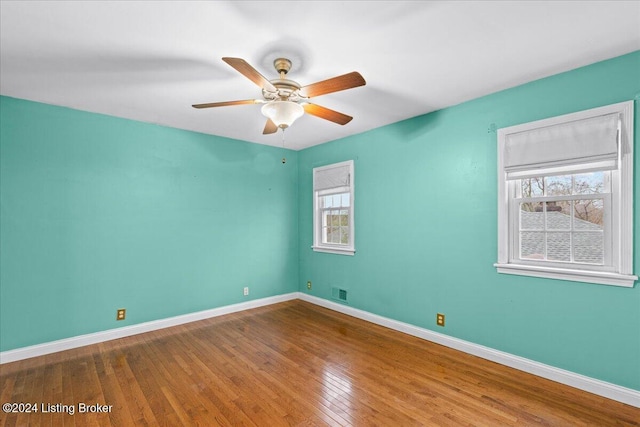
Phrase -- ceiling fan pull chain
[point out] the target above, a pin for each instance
(284, 159)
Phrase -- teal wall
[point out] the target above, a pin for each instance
(426, 232)
(99, 213)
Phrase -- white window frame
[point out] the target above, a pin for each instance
(349, 187)
(620, 259)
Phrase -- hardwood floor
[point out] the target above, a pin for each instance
(290, 364)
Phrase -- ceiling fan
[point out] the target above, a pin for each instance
(286, 100)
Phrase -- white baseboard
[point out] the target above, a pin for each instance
(111, 334)
(601, 388)
(591, 385)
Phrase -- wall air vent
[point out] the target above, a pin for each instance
(339, 294)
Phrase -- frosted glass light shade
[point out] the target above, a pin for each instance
(282, 113)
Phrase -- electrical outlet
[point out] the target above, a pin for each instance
(246, 291)
(309, 284)
(121, 314)
(440, 319)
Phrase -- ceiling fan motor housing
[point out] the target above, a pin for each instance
(287, 89)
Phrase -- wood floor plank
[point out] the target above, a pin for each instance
(292, 364)
(67, 397)
(112, 392)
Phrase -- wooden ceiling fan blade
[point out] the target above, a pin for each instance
(269, 127)
(327, 114)
(335, 84)
(251, 73)
(226, 103)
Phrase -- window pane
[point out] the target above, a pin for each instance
(344, 235)
(558, 215)
(334, 200)
(531, 245)
(588, 214)
(588, 248)
(532, 187)
(559, 246)
(531, 216)
(344, 218)
(589, 183)
(558, 185)
(334, 234)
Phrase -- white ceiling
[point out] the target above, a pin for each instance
(149, 61)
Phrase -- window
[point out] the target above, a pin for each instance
(333, 208)
(565, 197)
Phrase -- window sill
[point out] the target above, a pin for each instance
(339, 251)
(602, 278)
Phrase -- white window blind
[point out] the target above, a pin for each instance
(576, 146)
(332, 177)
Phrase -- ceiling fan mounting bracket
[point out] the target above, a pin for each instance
(282, 65)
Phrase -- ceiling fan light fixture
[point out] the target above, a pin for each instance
(282, 113)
